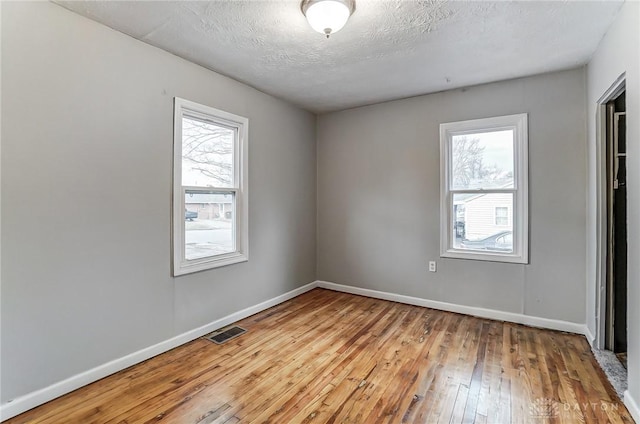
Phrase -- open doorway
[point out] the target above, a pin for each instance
(616, 225)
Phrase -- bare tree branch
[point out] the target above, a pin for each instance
(209, 148)
(468, 166)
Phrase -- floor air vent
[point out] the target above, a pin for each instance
(223, 336)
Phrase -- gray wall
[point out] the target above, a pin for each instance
(618, 53)
(87, 122)
(378, 197)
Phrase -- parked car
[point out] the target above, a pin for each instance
(190, 215)
(498, 242)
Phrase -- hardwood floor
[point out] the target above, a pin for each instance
(328, 357)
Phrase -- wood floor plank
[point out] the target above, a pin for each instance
(258, 367)
(396, 379)
(328, 357)
(345, 355)
(343, 385)
(488, 398)
(431, 363)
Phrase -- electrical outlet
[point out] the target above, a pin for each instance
(432, 266)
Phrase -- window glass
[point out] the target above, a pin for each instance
(207, 154)
(209, 224)
(476, 227)
(482, 160)
(502, 215)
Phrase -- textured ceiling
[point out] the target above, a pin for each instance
(389, 49)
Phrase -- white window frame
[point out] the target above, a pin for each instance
(240, 125)
(520, 212)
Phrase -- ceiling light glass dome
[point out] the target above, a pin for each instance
(327, 16)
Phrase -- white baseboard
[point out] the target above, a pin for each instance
(589, 335)
(632, 406)
(33, 399)
(552, 324)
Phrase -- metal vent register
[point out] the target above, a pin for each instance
(223, 336)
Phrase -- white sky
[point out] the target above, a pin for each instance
(498, 148)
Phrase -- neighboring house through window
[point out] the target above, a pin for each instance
(210, 197)
(483, 194)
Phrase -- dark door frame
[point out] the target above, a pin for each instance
(601, 208)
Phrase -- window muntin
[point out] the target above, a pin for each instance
(210, 219)
(484, 189)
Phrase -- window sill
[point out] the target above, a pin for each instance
(485, 256)
(209, 263)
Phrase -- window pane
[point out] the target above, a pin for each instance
(483, 222)
(482, 160)
(209, 224)
(502, 215)
(207, 154)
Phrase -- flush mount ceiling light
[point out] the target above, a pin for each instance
(327, 16)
